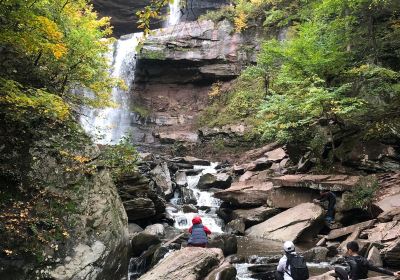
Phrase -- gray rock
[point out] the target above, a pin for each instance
(225, 271)
(226, 242)
(316, 254)
(392, 253)
(276, 155)
(299, 223)
(142, 241)
(189, 208)
(162, 178)
(187, 263)
(155, 229)
(374, 256)
(236, 227)
(134, 228)
(254, 216)
(181, 179)
(139, 208)
(220, 180)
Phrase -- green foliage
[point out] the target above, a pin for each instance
(226, 12)
(363, 195)
(121, 158)
(51, 50)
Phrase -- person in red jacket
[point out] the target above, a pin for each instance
(198, 233)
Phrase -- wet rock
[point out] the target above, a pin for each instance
(181, 179)
(236, 227)
(333, 248)
(220, 180)
(155, 229)
(226, 271)
(262, 267)
(336, 233)
(195, 161)
(226, 242)
(142, 241)
(235, 259)
(162, 178)
(299, 223)
(192, 172)
(188, 196)
(325, 182)
(187, 263)
(189, 208)
(316, 254)
(159, 254)
(254, 216)
(134, 228)
(392, 253)
(252, 193)
(276, 155)
(374, 256)
(259, 164)
(139, 208)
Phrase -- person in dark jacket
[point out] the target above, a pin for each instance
(198, 233)
(331, 198)
(359, 266)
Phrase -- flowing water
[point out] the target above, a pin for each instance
(110, 125)
(174, 14)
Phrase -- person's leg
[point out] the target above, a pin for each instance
(278, 275)
(341, 273)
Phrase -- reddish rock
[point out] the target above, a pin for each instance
(276, 155)
(336, 233)
(246, 176)
(384, 232)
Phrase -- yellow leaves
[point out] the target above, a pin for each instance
(66, 234)
(81, 159)
(240, 21)
(59, 50)
(49, 28)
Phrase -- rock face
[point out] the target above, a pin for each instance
(123, 12)
(190, 263)
(326, 182)
(220, 180)
(298, 223)
(162, 178)
(255, 215)
(96, 246)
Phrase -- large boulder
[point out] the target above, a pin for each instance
(181, 179)
(288, 197)
(226, 242)
(254, 216)
(235, 227)
(139, 208)
(250, 193)
(225, 271)
(162, 178)
(337, 233)
(190, 263)
(142, 241)
(220, 180)
(392, 253)
(387, 197)
(298, 223)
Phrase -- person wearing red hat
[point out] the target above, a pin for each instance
(198, 233)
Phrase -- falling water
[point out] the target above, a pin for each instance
(174, 13)
(109, 125)
(204, 199)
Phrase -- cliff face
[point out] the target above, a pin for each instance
(176, 69)
(62, 217)
(123, 12)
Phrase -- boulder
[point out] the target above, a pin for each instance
(384, 232)
(181, 179)
(387, 216)
(142, 241)
(256, 153)
(336, 233)
(220, 180)
(298, 223)
(316, 254)
(388, 196)
(252, 193)
(320, 182)
(352, 237)
(288, 197)
(134, 228)
(374, 256)
(246, 176)
(177, 136)
(189, 208)
(139, 208)
(196, 161)
(226, 242)
(162, 178)
(225, 271)
(259, 164)
(190, 263)
(276, 155)
(188, 196)
(391, 254)
(155, 229)
(254, 216)
(236, 227)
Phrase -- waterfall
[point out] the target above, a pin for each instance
(174, 14)
(109, 125)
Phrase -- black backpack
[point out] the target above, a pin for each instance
(298, 267)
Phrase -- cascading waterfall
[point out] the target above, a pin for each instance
(110, 125)
(204, 199)
(174, 13)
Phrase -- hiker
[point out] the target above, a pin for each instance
(359, 266)
(331, 198)
(291, 266)
(198, 233)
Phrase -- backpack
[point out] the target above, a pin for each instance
(298, 267)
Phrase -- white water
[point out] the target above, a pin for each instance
(174, 14)
(110, 125)
(204, 198)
